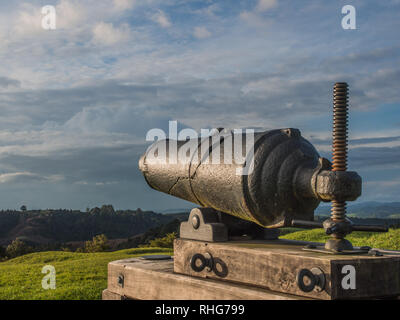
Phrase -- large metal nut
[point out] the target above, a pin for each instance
(338, 185)
(340, 228)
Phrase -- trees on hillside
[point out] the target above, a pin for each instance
(2, 252)
(165, 242)
(99, 243)
(17, 248)
(66, 225)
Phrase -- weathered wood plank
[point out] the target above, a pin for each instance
(275, 264)
(108, 295)
(154, 280)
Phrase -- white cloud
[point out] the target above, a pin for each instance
(253, 19)
(201, 32)
(264, 5)
(28, 21)
(121, 5)
(81, 182)
(26, 175)
(161, 18)
(101, 183)
(10, 177)
(107, 34)
(70, 14)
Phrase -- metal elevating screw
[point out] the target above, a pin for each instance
(339, 146)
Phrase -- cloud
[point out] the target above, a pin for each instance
(253, 19)
(22, 177)
(28, 21)
(71, 14)
(380, 190)
(381, 85)
(201, 33)
(107, 34)
(7, 82)
(384, 183)
(161, 18)
(122, 5)
(264, 5)
(387, 141)
(383, 157)
(76, 165)
(245, 97)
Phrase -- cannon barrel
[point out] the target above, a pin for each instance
(287, 179)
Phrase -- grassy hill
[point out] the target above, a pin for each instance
(84, 275)
(389, 240)
(79, 276)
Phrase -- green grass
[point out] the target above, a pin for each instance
(78, 275)
(285, 231)
(389, 240)
(84, 275)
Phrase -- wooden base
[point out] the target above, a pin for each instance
(276, 264)
(109, 295)
(253, 270)
(155, 280)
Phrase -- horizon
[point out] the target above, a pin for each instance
(179, 210)
(77, 101)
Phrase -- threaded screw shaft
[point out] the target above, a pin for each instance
(339, 145)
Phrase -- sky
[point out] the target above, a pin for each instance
(76, 102)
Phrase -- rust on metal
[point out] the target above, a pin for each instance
(339, 150)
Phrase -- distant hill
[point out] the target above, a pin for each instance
(52, 226)
(174, 211)
(371, 209)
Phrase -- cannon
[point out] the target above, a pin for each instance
(287, 181)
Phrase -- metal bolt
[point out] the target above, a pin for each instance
(196, 221)
(339, 146)
(375, 253)
(120, 280)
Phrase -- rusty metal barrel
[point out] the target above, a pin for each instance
(279, 187)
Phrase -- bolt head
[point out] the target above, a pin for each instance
(121, 280)
(195, 221)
